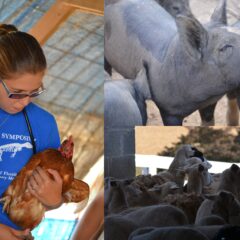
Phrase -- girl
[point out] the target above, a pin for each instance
(25, 128)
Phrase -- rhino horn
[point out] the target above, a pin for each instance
(219, 15)
(192, 35)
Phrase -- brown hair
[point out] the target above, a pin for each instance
(19, 52)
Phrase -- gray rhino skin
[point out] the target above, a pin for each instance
(189, 67)
(218, 19)
(124, 108)
(124, 102)
(107, 2)
(176, 7)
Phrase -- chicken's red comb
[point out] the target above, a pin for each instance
(66, 148)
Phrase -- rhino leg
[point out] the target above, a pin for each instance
(107, 67)
(169, 120)
(233, 108)
(207, 115)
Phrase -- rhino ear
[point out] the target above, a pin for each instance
(192, 35)
(219, 15)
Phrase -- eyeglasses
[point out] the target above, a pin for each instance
(22, 95)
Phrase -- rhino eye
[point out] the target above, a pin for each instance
(225, 53)
(176, 10)
(226, 47)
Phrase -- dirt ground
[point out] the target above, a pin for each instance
(154, 117)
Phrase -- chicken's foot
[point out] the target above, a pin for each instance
(6, 203)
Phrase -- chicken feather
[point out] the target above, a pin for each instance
(23, 208)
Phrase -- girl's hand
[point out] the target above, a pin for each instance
(46, 189)
(8, 233)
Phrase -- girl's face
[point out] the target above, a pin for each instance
(24, 83)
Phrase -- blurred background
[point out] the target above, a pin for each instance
(71, 34)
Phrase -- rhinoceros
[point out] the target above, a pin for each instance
(124, 108)
(190, 67)
(124, 101)
(218, 19)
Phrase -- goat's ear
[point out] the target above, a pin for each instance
(128, 181)
(197, 153)
(226, 196)
(193, 36)
(143, 188)
(234, 168)
(200, 168)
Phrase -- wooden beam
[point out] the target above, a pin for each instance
(50, 21)
(89, 6)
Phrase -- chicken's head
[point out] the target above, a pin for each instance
(66, 148)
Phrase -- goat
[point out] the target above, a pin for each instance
(223, 204)
(185, 156)
(228, 180)
(167, 233)
(187, 233)
(156, 216)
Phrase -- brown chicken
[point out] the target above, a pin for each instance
(23, 208)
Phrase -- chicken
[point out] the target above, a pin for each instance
(23, 208)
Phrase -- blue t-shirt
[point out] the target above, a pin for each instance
(16, 147)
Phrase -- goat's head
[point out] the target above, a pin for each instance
(197, 171)
(226, 205)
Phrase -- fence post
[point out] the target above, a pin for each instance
(119, 152)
